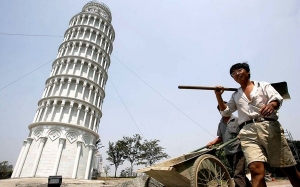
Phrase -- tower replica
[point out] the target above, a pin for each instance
(64, 130)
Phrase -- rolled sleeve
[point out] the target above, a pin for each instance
(273, 95)
(226, 112)
(230, 107)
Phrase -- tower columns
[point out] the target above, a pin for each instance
(59, 152)
(88, 164)
(19, 158)
(24, 155)
(79, 144)
(53, 109)
(38, 156)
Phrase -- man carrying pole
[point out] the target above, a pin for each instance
(262, 137)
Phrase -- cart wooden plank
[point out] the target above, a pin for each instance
(178, 160)
(168, 176)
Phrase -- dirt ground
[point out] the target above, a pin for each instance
(279, 182)
(114, 181)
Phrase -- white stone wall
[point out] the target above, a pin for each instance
(68, 157)
(46, 163)
(27, 168)
(83, 161)
(52, 134)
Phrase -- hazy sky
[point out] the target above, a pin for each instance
(158, 46)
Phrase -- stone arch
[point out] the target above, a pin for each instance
(54, 133)
(72, 136)
(38, 132)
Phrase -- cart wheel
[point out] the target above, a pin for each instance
(151, 182)
(208, 171)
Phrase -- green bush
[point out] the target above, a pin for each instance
(5, 174)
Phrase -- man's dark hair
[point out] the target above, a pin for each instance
(243, 65)
(219, 107)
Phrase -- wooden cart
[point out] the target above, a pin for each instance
(199, 168)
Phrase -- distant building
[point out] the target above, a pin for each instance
(98, 163)
(63, 133)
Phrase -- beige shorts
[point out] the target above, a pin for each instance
(265, 141)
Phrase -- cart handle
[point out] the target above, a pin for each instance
(227, 143)
(199, 149)
(220, 147)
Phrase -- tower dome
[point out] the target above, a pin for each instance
(98, 8)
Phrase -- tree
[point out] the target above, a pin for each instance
(98, 144)
(131, 150)
(106, 169)
(151, 152)
(5, 170)
(116, 154)
(125, 172)
(95, 174)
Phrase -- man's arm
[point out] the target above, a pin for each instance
(219, 91)
(275, 104)
(268, 109)
(275, 101)
(214, 142)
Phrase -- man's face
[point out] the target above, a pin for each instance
(240, 75)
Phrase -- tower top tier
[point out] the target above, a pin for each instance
(99, 8)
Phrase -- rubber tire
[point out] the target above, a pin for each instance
(151, 182)
(219, 169)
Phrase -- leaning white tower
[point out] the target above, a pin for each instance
(62, 136)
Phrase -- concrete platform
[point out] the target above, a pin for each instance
(110, 182)
(43, 182)
(279, 183)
